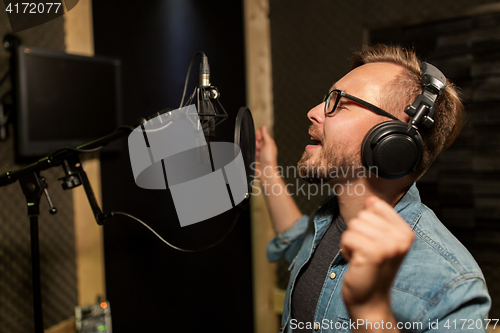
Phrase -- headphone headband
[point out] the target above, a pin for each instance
(433, 85)
(432, 79)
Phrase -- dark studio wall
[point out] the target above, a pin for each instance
(152, 287)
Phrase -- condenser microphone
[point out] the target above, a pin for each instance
(206, 114)
(205, 105)
(206, 98)
(204, 72)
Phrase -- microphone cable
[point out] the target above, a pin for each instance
(112, 214)
(187, 74)
(76, 150)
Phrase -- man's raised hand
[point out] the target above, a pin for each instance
(265, 149)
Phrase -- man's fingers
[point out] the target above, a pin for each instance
(265, 134)
(258, 134)
(383, 209)
(370, 201)
(262, 135)
(371, 225)
(382, 226)
(352, 243)
(258, 140)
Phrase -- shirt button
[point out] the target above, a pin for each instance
(333, 275)
(316, 326)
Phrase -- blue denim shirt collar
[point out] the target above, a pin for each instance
(410, 206)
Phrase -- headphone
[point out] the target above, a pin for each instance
(394, 147)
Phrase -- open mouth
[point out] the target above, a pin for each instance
(315, 141)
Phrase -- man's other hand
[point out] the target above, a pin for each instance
(266, 150)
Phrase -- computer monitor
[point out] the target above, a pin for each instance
(64, 100)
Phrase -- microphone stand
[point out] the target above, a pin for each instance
(33, 186)
(210, 112)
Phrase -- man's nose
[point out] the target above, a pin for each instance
(317, 114)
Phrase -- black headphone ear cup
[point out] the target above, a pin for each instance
(389, 151)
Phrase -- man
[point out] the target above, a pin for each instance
(374, 259)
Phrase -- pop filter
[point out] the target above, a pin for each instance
(172, 164)
(244, 137)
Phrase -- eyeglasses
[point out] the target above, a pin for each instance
(334, 96)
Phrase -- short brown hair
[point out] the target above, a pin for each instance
(448, 115)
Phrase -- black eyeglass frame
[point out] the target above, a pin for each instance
(367, 105)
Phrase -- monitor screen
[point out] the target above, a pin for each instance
(64, 100)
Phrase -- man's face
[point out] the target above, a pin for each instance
(335, 153)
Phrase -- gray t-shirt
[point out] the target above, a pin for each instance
(312, 276)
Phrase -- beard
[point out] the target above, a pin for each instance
(331, 166)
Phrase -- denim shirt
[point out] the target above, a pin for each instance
(439, 286)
